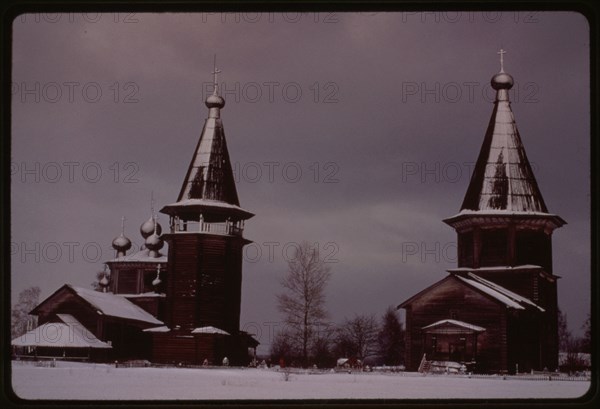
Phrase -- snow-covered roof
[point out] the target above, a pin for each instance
(163, 328)
(209, 330)
(69, 333)
(215, 206)
(209, 174)
(455, 323)
(502, 177)
(495, 268)
(502, 212)
(115, 305)
(141, 256)
(509, 298)
(141, 295)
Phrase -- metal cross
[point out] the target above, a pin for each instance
(152, 202)
(215, 72)
(501, 52)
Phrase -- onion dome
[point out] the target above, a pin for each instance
(147, 228)
(215, 101)
(502, 80)
(154, 243)
(103, 281)
(121, 243)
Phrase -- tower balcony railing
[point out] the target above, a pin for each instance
(227, 228)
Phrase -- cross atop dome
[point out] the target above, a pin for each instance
(214, 101)
(501, 52)
(214, 73)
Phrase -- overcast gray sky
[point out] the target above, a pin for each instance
(354, 131)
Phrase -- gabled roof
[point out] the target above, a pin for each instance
(209, 330)
(454, 325)
(485, 287)
(105, 304)
(115, 305)
(162, 328)
(508, 297)
(69, 333)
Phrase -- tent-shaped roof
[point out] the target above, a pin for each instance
(503, 182)
(209, 185)
(503, 178)
(69, 333)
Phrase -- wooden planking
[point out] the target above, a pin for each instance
(204, 284)
(470, 306)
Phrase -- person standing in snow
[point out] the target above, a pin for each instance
(225, 361)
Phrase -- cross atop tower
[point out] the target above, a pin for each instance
(214, 73)
(501, 52)
(152, 203)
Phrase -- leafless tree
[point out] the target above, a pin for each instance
(303, 301)
(20, 318)
(359, 336)
(564, 335)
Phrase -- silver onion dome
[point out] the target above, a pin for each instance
(104, 281)
(121, 243)
(502, 80)
(154, 243)
(147, 228)
(215, 101)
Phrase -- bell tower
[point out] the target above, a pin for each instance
(206, 236)
(504, 228)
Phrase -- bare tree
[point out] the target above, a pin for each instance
(586, 341)
(281, 348)
(20, 318)
(358, 336)
(564, 335)
(303, 302)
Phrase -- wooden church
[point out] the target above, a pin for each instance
(497, 311)
(181, 307)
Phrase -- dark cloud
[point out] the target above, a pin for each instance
(392, 111)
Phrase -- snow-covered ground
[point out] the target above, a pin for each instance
(70, 380)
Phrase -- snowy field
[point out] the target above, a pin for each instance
(70, 380)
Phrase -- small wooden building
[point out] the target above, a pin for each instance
(110, 318)
(63, 337)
